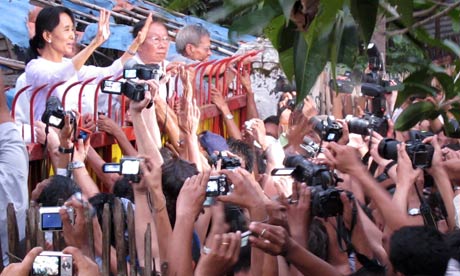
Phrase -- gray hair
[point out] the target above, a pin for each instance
(190, 34)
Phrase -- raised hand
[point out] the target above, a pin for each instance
(103, 30)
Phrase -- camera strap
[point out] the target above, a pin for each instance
(343, 234)
(425, 211)
(45, 163)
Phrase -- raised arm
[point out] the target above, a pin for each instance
(218, 99)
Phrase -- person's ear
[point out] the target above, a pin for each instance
(47, 36)
(189, 49)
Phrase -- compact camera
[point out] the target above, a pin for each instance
(50, 219)
(128, 167)
(217, 185)
(329, 130)
(54, 114)
(51, 263)
(419, 153)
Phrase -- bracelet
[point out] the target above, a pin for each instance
(133, 53)
(64, 150)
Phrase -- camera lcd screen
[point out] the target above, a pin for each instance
(330, 137)
(111, 168)
(212, 187)
(420, 158)
(282, 171)
(130, 73)
(51, 265)
(54, 121)
(113, 87)
(130, 167)
(51, 221)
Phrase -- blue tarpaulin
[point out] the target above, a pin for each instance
(13, 23)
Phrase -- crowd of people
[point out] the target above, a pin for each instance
(294, 194)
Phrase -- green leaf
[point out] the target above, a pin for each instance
(287, 62)
(447, 84)
(418, 82)
(405, 9)
(180, 5)
(273, 31)
(414, 113)
(455, 18)
(287, 6)
(254, 23)
(365, 13)
(452, 46)
(336, 38)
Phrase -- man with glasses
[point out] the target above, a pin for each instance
(154, 51)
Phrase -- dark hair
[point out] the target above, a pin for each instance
(318, 240)
(47, 20)
(453, 240)
(272, 120)
(59, 188)
(419, 250)
(235, 218)
(243, 150)
(174, 174)
(139, 25)
(123, 188)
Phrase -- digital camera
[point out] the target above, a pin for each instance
(54, 114)
(128, 167)
(326, 202)
(228, 163)
(217, 185)
(419, 153)
(52, 263)
(366, 123)
(132, 90)
(50, 219)
(329, 130)
(143, 72)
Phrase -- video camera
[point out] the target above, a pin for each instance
(128, 167)
(54, 114)
(130, 88)
(328, 129)
(419, 153)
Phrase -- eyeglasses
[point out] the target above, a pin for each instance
(156, 40)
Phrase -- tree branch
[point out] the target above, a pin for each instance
(421, 13)
(420, 23)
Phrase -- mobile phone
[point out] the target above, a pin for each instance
(50, 219)
(84, 133)
(52, 263)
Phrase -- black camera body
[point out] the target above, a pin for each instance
(143, 72)
(326, 202)
(419, 153)
(228, 163)
(343, 85)
(368, 121)
(54, 114)
(217, 185)
(309, 172)
(329, 130)
(132, 90)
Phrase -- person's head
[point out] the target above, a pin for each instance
(272, 127)
(419, 250)
(174, 173)
(194, 42)
(58, 188)
(54, 32)
(243, 151)
(156, 44)
(123, 188)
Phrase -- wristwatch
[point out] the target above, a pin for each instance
(75, 165)
(413, 212)
(229, 116)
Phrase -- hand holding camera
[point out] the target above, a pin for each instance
(192, 195)
(23, 268)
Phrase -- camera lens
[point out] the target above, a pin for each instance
(388, 148)
(358, 126)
